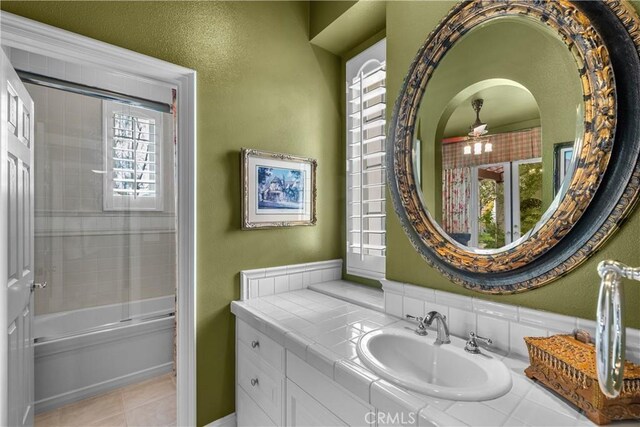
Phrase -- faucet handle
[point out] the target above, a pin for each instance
(474, 336)
(422, 328)
(472, 344)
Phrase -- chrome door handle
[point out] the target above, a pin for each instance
(35, 285)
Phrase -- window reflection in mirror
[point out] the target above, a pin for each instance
(498, 111)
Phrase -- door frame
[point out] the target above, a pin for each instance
(35, 37)
(474, 200)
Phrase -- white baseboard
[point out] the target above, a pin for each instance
(228, 421)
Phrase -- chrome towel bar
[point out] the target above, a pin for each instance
(610, 330)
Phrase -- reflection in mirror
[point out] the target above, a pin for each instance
(496, 132)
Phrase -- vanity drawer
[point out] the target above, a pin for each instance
(261, 381)
(249, 414)
(261, 345)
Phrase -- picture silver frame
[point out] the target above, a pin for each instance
(249, 190)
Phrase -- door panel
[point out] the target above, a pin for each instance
(12, 209)
(16, 252)
(26, 225)
(304, 411)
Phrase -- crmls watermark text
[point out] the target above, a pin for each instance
(390, 418)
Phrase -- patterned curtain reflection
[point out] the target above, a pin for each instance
(456, 191)
(507, 147)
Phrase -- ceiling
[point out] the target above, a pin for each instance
(505, 106)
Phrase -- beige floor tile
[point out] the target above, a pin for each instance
(47, 419)
(139, 394)
(114, 421)
(159, 413)
(92, 409)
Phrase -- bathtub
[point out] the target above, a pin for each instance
(85, 352)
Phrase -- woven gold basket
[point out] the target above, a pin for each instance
(568, 367)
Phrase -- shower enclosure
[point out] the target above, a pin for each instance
(105, 239)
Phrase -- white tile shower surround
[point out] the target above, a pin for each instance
(324, 331)
(94, 270)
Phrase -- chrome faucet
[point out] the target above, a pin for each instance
(610, 331)
(441, 326)
(472, 345)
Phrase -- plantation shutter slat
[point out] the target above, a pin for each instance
(366, 168)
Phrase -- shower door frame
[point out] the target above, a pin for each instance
(35, 37)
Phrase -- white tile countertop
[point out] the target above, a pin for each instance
(323, 331)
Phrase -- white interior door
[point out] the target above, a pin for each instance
(16, 249)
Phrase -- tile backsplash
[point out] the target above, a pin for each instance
(505, 324)
(275, 280)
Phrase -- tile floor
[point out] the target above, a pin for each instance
(149, 403)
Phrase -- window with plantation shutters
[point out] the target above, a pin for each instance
(366, 177)
(132, 157)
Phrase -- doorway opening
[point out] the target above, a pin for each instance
(506, 202)
(104, 225)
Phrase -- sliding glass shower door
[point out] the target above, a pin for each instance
(105, 221)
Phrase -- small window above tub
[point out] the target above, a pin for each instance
(133, 176)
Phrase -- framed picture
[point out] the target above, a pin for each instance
(562, 156)
(278, 190)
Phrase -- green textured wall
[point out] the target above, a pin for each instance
(261, 85)
(339, 26)
(408, 24)
(324, 13)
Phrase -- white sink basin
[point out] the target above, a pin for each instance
(445, 371)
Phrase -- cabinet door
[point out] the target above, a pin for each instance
(304, 410)
(249, 413)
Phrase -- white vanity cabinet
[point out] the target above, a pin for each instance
(260, 379)
(275, 387)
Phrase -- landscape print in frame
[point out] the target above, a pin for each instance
(279, 190)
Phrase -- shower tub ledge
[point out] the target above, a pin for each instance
(82, 353)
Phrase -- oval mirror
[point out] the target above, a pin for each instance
(507, 139)
(489, 131)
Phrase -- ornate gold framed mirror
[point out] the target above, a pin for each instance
(515, 139)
